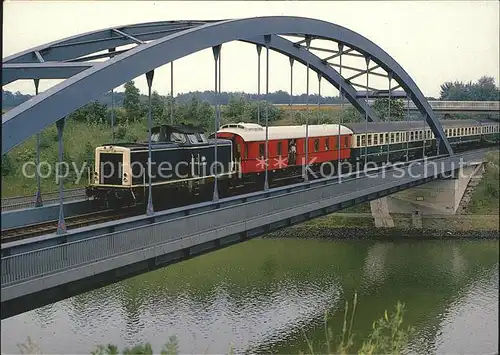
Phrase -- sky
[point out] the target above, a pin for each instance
(434, 41)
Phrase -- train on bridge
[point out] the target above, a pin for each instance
(184, 161)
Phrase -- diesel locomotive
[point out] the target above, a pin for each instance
(183, 161)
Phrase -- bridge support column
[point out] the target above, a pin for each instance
(38, 201)
(216, 52)
(437, 197)
(291, 80)
(112, 108)
(380, 213)
(266, 165)
(319, 97)
(339, 165)
(150, 209)
(306, 163)
(389, 118)
(367, 60)
(172, 93)
(259, 50)
(61, 225)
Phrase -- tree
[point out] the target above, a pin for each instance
(157, 107)
(131, 101)
(93, 112)
(236, 107)
(397, 109)
(484, 90)
(197, 113)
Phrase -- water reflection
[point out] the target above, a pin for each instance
(258, 296)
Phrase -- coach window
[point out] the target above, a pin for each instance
(279, 148)
(316, 145)
(369, 139)
(375, 139)
(326, 143)
(397, 137)
(363, 140)
(392, 137)
(358, 141)
(262, 150)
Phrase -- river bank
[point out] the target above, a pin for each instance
(362, 226)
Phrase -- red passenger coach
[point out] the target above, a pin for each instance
(286, 145)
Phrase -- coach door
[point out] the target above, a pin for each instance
(236, 154)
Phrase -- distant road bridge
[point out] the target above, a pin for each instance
(437, 106)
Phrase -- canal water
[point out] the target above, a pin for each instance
(268, 295)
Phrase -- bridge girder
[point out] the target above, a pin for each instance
(171, 41)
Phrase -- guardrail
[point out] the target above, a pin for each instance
(17, 202)
(205, 221)
(480, 106)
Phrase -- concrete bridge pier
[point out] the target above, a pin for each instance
(440, 197)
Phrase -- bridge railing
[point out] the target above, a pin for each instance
(486, 106)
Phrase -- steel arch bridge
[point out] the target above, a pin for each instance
(159, 43)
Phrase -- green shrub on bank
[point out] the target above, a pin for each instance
(485, 199)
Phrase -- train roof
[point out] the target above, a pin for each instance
(251, 132)
(187, 128)
(380, 127)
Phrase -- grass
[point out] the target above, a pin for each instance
(485, 199)
(79, 142)
(388, 336)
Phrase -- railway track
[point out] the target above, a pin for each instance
(34, 230)
(18, 202)
(101, 216)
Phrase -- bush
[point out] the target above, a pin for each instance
(7, 165)
(121, 132)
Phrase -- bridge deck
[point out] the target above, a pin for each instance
(46, 274)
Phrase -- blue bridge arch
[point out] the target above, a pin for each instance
(169, 41)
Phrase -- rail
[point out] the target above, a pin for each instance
(17, 202)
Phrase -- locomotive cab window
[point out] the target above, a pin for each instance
(346, 142)
(279, 148)
(316, 145)
(200, 137)
(192, 138)
(177, 137)
(326, 144)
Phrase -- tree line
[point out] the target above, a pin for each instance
(484, 89)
